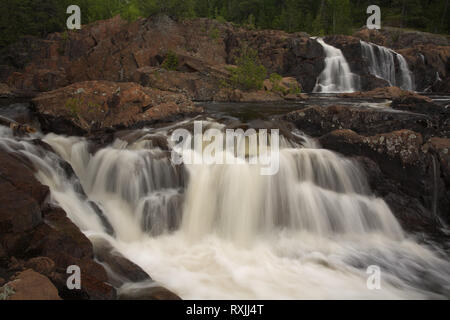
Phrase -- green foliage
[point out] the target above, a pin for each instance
(249, 73)
(276, 79)
(171, 61)
(214, 34)
(72, 105)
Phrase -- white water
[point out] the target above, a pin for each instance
(309, 232)
(382, 63)
(337, 76)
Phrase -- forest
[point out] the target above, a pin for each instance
(316, 17)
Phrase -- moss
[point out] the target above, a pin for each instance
(72, 105)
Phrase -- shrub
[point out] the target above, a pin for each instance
(249, 73)
(171, 61)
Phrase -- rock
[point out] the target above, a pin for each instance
(30, 285)
(195, 85)
(36, 235)
(120, 270)
(42, 265)
(147, 291)
(229, 95)
(409, 210)
(401, 158)
(317, 120)
(398, 38)
(21, 174)
(440, 147)
(6, 91)
(385, 93)
(104, 104)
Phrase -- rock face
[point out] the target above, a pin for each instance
(427, 54)
(93, 105)
(118, 51)
(409, 170)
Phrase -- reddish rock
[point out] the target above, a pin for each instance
(21, 174)
(30, 285)
(42, 265)
(103, 104)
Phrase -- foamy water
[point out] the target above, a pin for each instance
(226, 232)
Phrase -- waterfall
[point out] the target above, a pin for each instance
(382, 64)
(337, 76)
(225, 231)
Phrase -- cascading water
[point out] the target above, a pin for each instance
(382, 63)
(337, 76)
(225, 231)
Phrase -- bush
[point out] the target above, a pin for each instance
(171, 61)
(249, 73)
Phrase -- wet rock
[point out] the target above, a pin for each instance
(30, 285)
(398, 38)
(39, 236)
(120, 270)
(317, 120)
(401, 158)
(147, 291)
(385, 93)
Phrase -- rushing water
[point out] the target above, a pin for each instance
(337, 76)
(382, 63)
(227, 232)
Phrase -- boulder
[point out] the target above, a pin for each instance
(95, 105)
(30, 285)
(120, 270)
(147, 291)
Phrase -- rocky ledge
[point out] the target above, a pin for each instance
(95, 105)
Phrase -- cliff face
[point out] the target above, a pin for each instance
(116, 50)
